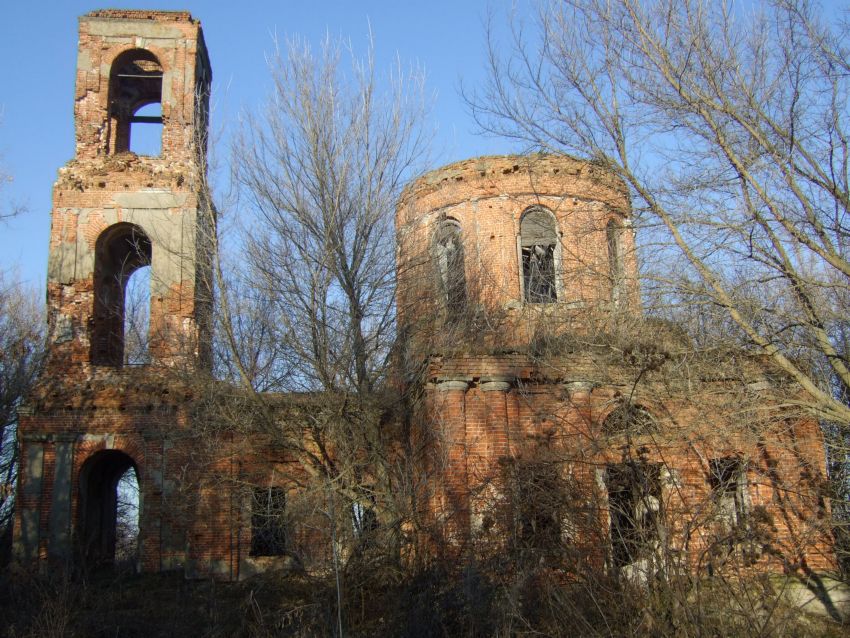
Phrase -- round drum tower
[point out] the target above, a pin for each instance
(504, 244)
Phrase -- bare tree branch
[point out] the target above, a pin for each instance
(728, 124)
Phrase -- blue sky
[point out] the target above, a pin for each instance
(38, 42)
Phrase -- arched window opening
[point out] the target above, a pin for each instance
(629, 418)
(137, 314)
(613, 234)
(448, 246)
(119, 252)
(538, 243)
(134, 84)
(109, 509)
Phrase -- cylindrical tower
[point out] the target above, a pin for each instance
(506, 244)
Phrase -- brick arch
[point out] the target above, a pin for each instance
(445, 221)
(117, 52)
(624, 416)
(95, 225)
(529, 210)
(133, 446)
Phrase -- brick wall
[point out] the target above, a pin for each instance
(488, 413)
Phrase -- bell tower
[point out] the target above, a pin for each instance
(133, 198)
(112, 402)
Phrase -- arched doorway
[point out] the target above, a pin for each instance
(109, 509)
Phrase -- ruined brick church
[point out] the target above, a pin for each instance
(548, 413)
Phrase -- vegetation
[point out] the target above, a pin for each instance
(21, 352)
(428, 603)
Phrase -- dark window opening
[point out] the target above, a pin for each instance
(538, 271)
(135, 103)
(120, 251)
(450, 267)
(615, 260)
(364, 519)
(634, 507)
(538, 239)
(268, 521)
(540, 504)
(728, 486)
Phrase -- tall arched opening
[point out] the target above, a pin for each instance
(120, 250)
(109, 508)
(448, 252)
(539, 255)
(135, 103)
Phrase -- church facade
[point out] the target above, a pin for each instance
(543, 413)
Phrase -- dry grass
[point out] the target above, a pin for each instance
(431, 603)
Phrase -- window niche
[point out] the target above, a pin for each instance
(450, 262)
(135, 103)
(616, 272)
(539, 256)
(120, 251)
(268, 521)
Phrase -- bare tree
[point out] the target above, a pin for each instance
(7, 209)
(5, 179)
(137, 318)
(729, 125)
(320, 169)
(310, 309)
(21, 350)
(127, 519)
